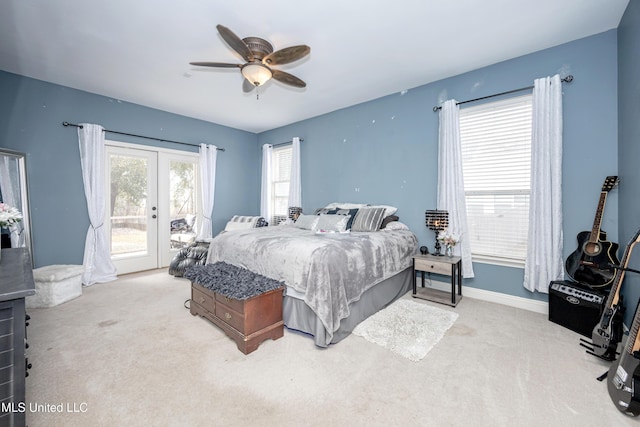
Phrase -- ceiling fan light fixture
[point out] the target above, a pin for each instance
(256, 73)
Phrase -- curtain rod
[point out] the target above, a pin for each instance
(140, 136)
(284, 143)
(567, 79)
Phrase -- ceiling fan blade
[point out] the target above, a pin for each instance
(287, 55)
(216, 64)
(247, 86)
(235, 42)
(288, 79)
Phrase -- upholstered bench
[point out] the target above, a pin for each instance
(55, 284)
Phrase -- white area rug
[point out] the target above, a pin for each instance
(407, 328)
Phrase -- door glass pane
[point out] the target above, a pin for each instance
(128, 205)
(182, 203)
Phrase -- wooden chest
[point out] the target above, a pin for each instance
(248, 322)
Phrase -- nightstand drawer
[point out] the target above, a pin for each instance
(433, 266)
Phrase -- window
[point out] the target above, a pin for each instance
(496, 159)
(281, 164)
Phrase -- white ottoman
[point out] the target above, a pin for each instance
(55, 284)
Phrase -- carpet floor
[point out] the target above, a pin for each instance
(129, 353)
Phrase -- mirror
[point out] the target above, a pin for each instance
(13, 192)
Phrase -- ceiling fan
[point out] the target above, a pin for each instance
(260, 58)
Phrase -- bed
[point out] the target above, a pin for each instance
(333, 280)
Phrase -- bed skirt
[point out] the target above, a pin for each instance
(298, 316)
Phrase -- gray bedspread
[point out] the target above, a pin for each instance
(331, 271)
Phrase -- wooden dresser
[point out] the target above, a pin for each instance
(248, 322)
(16, 283)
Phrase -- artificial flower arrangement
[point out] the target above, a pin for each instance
(9, 215)
(447, 238)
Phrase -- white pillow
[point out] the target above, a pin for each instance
(306, 222)
(332, 222)
(233, 225)
(396, 225)
(346, 205)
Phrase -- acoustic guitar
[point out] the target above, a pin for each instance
(589, 263)
(624, 376)
(608, 332)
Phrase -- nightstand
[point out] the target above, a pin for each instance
(444, 265)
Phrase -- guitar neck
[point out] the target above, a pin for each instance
(614, 294)
(597, 222)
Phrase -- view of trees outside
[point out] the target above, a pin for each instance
(128, 204)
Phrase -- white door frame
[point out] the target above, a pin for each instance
(159, 250)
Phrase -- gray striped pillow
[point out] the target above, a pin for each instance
(252, 220)
(368, 219)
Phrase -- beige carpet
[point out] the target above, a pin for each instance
(407, 328)
(131, 354)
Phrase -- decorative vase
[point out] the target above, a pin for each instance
(449, 250)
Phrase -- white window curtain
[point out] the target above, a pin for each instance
(208, 157)
(544, 252)
(8, 180)
(295, 186)
(98, 267)
(265, 197)
(451, 182)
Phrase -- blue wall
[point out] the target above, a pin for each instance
(32, 113)
(629, 145)
(385, 151)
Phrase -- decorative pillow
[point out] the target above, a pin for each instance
(232, 225)
(388, 210)
(346, 205)
(396, 225)
(321, 211)
(253, 220)
(344, 211)
(306, 222)
(368, 219)
(388, 219)
(332, 222)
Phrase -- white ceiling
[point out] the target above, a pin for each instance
(139, 50)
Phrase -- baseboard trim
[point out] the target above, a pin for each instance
(541, 307)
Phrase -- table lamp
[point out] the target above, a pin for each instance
(437, 221)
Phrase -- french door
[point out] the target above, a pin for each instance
(152, 205)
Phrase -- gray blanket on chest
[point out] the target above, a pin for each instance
(331, 271)
(231, 281)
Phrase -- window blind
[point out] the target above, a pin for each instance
(496, 158)
(281, 178)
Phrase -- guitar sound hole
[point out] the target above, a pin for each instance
(592, 248)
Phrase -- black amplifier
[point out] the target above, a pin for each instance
(575, 307)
